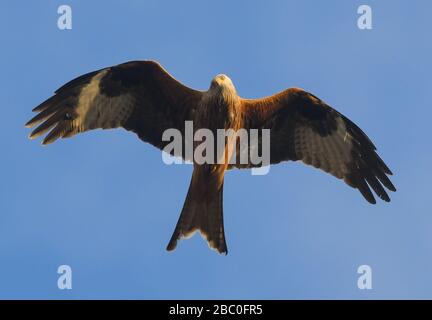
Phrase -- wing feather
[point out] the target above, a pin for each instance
(139, 96)
(302, 127)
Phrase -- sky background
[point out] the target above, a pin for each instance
(105, 203)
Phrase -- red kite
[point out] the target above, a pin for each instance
(141, 97)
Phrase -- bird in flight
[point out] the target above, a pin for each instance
(140, 96)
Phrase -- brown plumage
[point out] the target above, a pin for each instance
(141, 97)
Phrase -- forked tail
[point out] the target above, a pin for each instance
(202, 211)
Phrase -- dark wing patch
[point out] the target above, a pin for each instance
(139, 96)
(302, 127)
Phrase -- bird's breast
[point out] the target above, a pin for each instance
(217, 112)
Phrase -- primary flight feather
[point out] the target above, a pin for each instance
(140, 96)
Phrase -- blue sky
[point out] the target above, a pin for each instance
(105, 204)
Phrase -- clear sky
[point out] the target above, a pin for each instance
(105, 204)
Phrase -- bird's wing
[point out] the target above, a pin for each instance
(139, 96)
(302, 127)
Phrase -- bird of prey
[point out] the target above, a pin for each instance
(142, 97)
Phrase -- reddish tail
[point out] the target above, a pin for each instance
(202, 211)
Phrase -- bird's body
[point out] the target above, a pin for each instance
(219, 108)
(142, 97)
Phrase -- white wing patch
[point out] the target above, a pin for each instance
(331, 153)
(95, 110)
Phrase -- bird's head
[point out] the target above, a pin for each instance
(222, 83)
